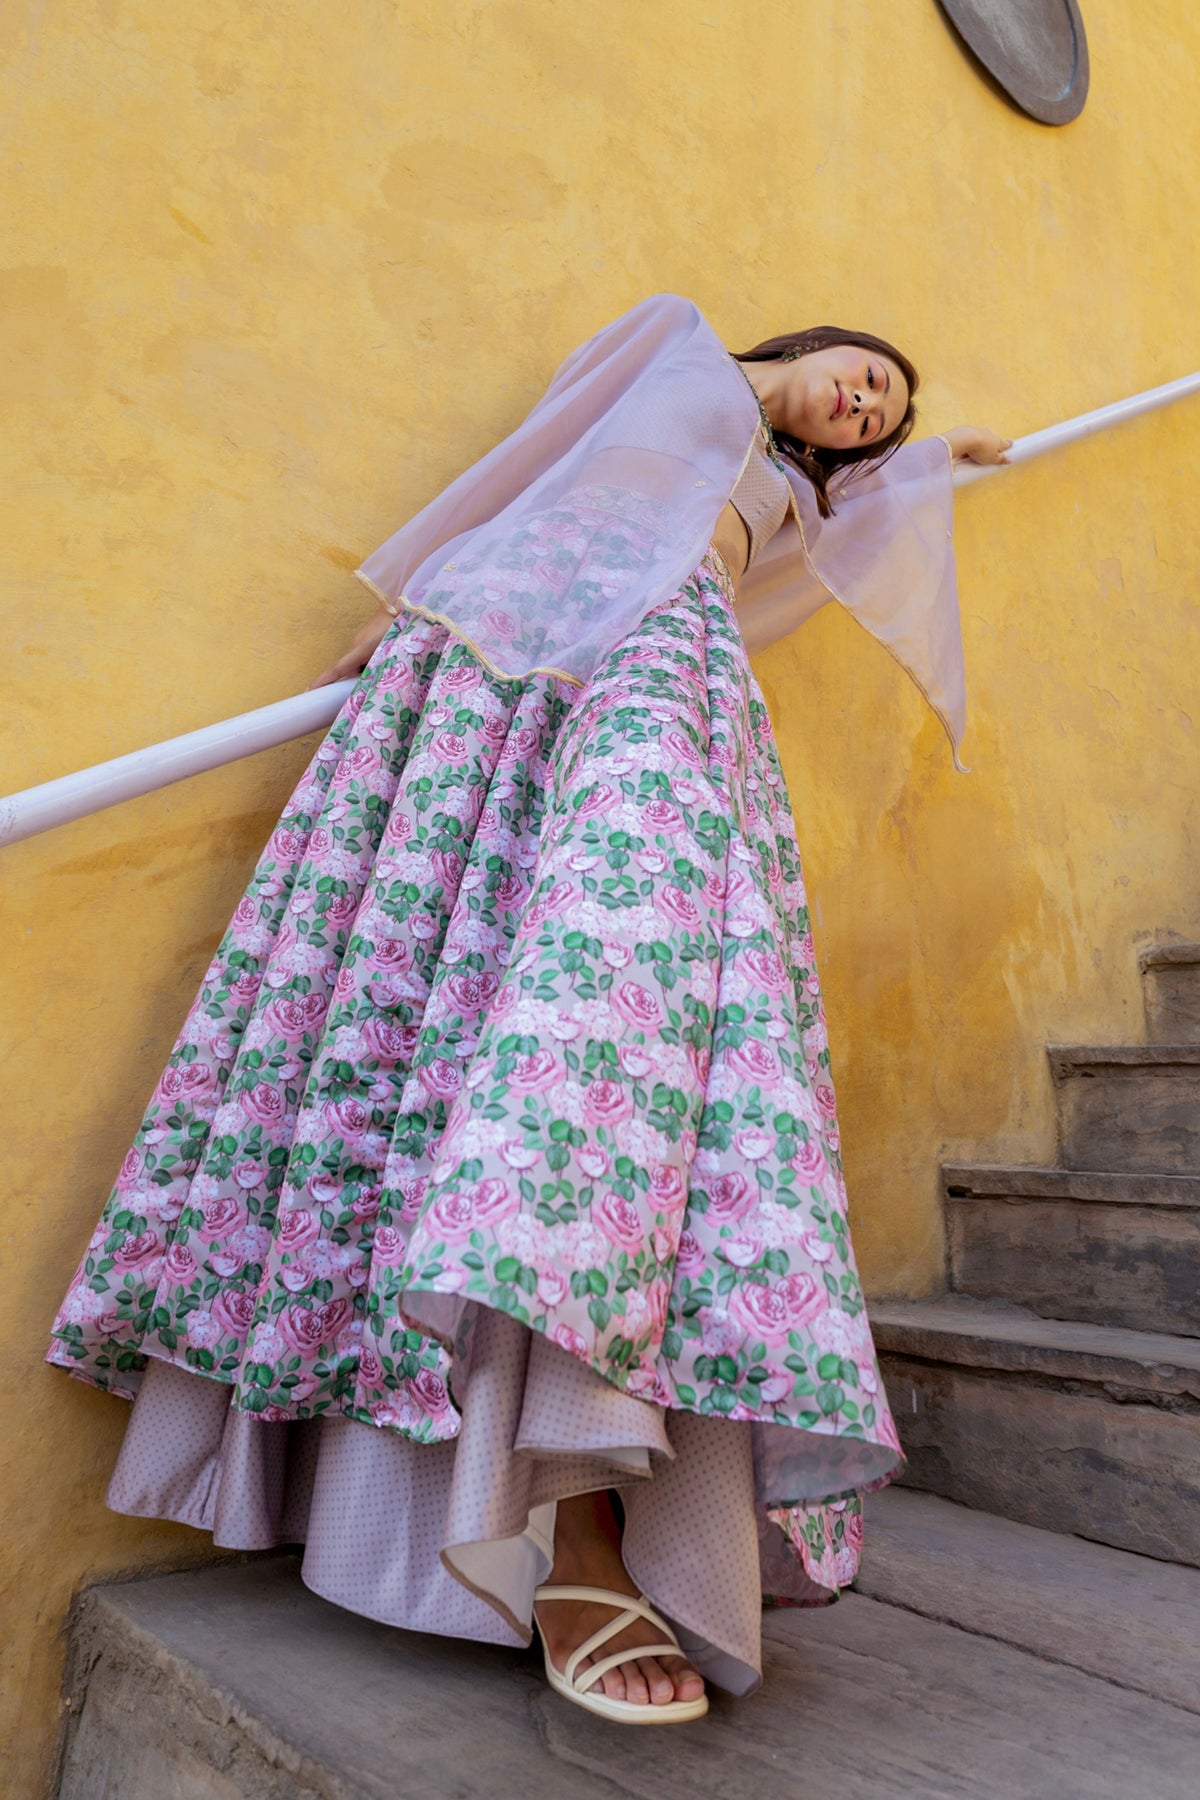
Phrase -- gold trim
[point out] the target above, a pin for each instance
(378, 593)
(456, 631)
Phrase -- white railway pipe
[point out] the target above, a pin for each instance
(70, 797)
(125, 777)
(1086, 425)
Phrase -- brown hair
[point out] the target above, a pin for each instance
(819, 463)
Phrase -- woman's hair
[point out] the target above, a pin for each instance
(819, 464)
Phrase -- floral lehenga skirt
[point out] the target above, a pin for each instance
(497, 1158)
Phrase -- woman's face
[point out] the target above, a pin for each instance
(844, 398)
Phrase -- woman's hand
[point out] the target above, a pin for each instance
(350, 666)
(974, 443)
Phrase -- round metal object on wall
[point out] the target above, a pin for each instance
(1035, 49)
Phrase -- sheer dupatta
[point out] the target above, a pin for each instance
(653, 408)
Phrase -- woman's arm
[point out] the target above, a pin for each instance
(974, 443)
(368, 640)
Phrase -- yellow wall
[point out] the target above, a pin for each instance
(276, 273)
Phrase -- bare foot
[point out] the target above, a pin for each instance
(587, 1553)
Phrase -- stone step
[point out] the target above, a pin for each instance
(1171, 984)
(1109, 1249)
(1057, 1596)
(1075, 1427)
(236, 1683)
(1128, 1106)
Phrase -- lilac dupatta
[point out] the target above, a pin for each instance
(654, 412)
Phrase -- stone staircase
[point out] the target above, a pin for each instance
(990, 1652)
(1058, 1382)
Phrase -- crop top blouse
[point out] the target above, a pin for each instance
(762, 498)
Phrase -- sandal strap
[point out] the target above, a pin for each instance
(633, 1654)
(630, 1607)
(636, 1603)
(597, 1640)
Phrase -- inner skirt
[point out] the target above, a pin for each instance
(497, 1159)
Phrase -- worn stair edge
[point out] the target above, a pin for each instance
(1166, 956)
(384, 1715)
(1012, 1181)
(1067, 1059)
(234, 1682)
(987, 1335)
(1127, 1618)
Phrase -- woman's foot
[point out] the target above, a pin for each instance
(587, 1553)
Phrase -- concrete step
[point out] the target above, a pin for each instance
(1128, 1618)
(236, 1683)
(1128, 1106)
(1110, 1249)
(1075, 1427)
(1171, 983)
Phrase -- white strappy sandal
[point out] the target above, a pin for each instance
(630, 1607)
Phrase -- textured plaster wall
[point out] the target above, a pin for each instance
(273, 273)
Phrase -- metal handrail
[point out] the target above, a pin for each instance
(57, 802)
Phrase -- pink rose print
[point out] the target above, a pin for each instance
(136, 1250)
(620, 1219)
(356, 763)
(660, 815)
(179, 1265)
(668, 1187)
(679, 907)
(471, 992)
(131, 1168)
(690, 1255)
(249, 1174)
(753, 1143)
(441, 1078)
(234, 1312)
(601, 799)
(637, 1005)
(388, 1246)
(293, 1019)
(339, 910)
(392, 954)
(266, 1105)
(305, 1329)
(348, 1117)
(569, 1340)
(730, 1196)
(222, 1215)
(366, 1204)
(755, 1060)
(501, 623)
(606, 1102)
(296, 1227)
(430, 1390)
(552, 1287)
(826, 1101)
(286, 846)
(809, 1161)
(534, 1073)
(776, 1308)
(763, 967)
(594, 1160)
(391, 1043)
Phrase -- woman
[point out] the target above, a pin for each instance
(494, 1181)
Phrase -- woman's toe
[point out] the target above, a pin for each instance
(632, 1684)
(688, 1684)
(660, 1685)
